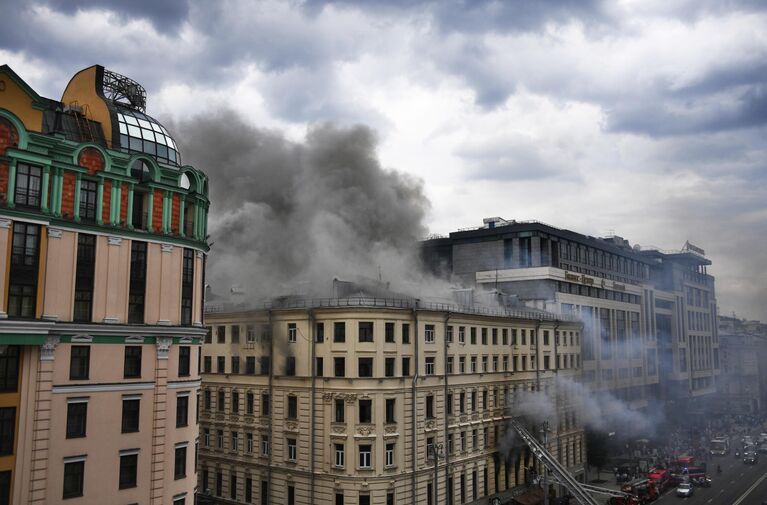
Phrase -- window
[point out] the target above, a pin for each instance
(365, 367)
(250, 365)
(430, 407)
(449, 403)
(128, 470)
(340, 409)
(449, 335)
(79, 363)
(449, 364)
(220, 364)
(187, 284)
(430, 365)
(221, 334)
(484, 336)
(365, 411)
(221, 400)
(389, 455)
(365, 456)
(390, 410)
(249, 443)
(291, 442)
(74, 474)
(28, 183)
(207, 364)
(405, 333)
(9, 369)
(462, 364)
(248, 490)
(84, 275)
(484, 363)
(233, 486)
(182, 410)
(462, 402)
(429, 448)
(319, 334)
(319, 367)
(234, 441)
(23, 274)
(132, 364)
(179, 471)
(473, 334)
(365, 331)
(290, 366)
(88, 192)
(265, 445)
(339, 332)
(130, 417)
(292, 407)
(364, 499)
(339, 499)
(266, 364)
(184, 353)
(389, 498)
(495, 336)
(292, 332)
(389, 367)
(546, 363)
(236, 334)
(265, 406)
(389, 332)
(137, 284)
(339, 367)
(461, 335)
(339, 460)
(473, 401)
(405, 366)
(77, 413)
(473, 364)
(429, 334)
(8, 430)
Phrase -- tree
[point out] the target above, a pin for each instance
(597, 452)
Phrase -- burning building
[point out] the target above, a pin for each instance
(103, 240)
(364, 399)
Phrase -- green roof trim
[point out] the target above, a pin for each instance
(22, 339)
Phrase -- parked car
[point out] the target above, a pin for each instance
(750, 458)
(684, 490)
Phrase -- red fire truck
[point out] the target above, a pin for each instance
(660, 477)
(642, 488)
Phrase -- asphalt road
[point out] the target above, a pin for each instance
(738, 484)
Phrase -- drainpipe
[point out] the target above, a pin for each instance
(538, 355)
(271, 408)
(314, 391)
(444, 365)
(414, 490)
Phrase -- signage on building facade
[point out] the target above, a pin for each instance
(693, 249)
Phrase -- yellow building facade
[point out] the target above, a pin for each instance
(346, 401)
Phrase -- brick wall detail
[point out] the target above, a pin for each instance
(175, 209)
(68, 195)
(9, 137)
(157, 211)
(91, 160)
(107, 200)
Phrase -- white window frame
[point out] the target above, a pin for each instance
(428, 334)
(292, 332)
(430, 366)
(340, 455)
(365, 459)
(265, 445)
(292, 449)
(249, 443)
(389, 454)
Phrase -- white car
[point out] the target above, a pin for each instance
(684, 490)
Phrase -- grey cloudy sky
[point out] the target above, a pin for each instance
(644, 117)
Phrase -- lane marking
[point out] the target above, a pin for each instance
(749, 490)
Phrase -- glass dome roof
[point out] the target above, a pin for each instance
(140, 133)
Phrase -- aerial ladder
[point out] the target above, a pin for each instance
(581, 492)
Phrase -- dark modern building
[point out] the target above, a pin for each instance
(649, 316)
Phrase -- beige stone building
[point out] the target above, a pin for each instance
(102, 249)
(340, 401)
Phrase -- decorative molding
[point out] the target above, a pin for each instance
(163, 322)
(166, 248)
(291, 426)
(48, 349)
(54, 233)
(185, 340)
(200, 254)
(350, 397)
(112, 240)
(85, 339)
(5, 223)
(365, 431)
(111, 320)
(49, 317)
(3, 315)
(134, 340)
(97, 388)
(328, 397)
(163, 347)
(184, 384)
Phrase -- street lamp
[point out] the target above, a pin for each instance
(437, 452)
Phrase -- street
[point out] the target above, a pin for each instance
(738, 484)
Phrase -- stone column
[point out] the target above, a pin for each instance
(38, 478)
(159, 422)
(76, 209)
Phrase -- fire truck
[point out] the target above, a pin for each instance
(660, 477)
(642, 488)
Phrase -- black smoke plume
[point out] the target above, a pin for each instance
(293, 215)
